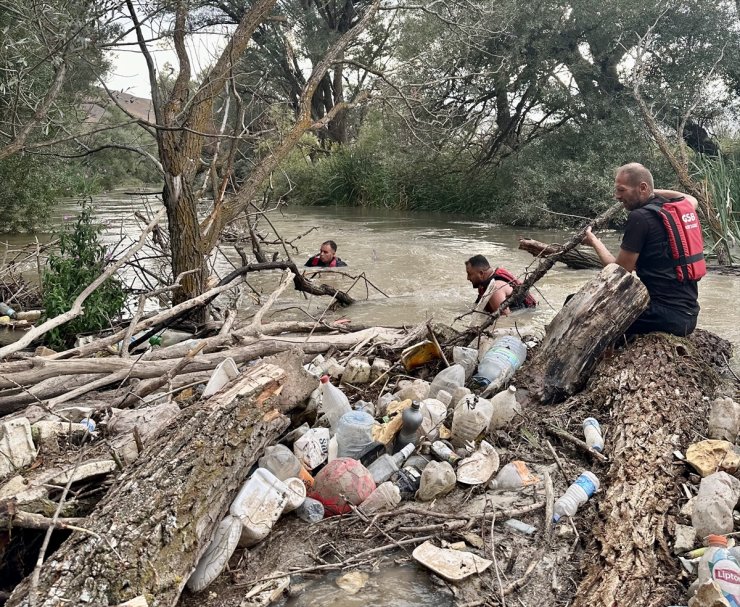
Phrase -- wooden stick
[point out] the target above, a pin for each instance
(576, 441)
(549, 506)
(436, 343)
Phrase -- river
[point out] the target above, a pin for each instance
(416, 259)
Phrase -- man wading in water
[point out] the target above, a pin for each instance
(662, 241)
(481, 274)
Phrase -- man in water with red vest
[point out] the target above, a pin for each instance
(327, 257)
(481, 275)
(662, 241)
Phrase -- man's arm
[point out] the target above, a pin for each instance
(676, 194)
(626, 259)
(501, 291)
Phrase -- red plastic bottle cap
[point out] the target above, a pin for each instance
(717, 540)
(324, 379)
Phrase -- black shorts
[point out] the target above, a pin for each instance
(662, 318)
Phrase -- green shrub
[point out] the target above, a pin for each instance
(80, 260)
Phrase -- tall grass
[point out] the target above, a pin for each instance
(721, 174)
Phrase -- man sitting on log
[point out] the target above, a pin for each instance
(326, 257)
(481, 274)
(662, 241)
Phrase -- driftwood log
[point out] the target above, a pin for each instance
(651, 393)
(146, 536)
(593, 318)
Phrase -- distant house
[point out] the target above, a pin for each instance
(95, 109)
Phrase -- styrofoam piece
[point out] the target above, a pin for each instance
(16, 445)
(222, 375)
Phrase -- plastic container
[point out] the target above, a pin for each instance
(443, 453)
(385, 497)
(334, 403)
(467, 358)
(386, 465)
(434, 413)
(408, 480)
(437, 479)
(296, 494)
(577, 494)
(6, 310)
(447, 380)
(719, 565)
(281, 461)
(505, 408)
(471, 418)
(217, 555)
(373, 451)
(311, 510)
(507, 354)
(224, 372)
(592, 432)
(411, 419)
(259, 503)
(513, 476)
(354, 434)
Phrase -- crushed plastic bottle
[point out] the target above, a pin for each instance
(592, 432)
(507, 354)
(334, 403)
(385, 497)
(577, 494)
(386, 465)
(447, 380)
(505, 408)
(443, 453)
(512, 477)
(311, 510)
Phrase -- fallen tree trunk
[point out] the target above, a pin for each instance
(585, 326)
(577, 258)
(652, 394)
(146, 536)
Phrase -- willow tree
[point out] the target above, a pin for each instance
(186, 132)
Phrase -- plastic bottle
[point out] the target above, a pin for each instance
(296, 494)
(592, 432)
(578, 493)
(718, 564)
(280, 460)
(467, 357)
(354, 434)
(471, 418)
(433, 414)
(513, 476)
(408, 480)
(6, 310)
(447, 380)
(372, 452)
(334, 403)
(385, 497)
(259, 503)
(443, 453)
(411, 419)
(386, 465)
(505, 408)
(311, 510)
(312, 448)
(507, 354)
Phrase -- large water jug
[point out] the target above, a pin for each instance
(447, 380)
(500, 362)
(354, 434)
(259, 503)
(334, 403)
(471, 418)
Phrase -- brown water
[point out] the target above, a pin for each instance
(417, 259)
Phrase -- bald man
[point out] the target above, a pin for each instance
(674, 305)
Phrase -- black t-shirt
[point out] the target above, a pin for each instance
(645, 234)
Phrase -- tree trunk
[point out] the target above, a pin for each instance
(578, 259)
(652, 396)
(585, 326)
(150, 530)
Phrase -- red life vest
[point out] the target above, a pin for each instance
(681, 222)
(315, 262)
(504, 275)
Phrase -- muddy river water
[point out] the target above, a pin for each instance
(417, 260)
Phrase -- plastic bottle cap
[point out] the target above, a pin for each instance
(324, 379)
(512, 388)
(717, 540)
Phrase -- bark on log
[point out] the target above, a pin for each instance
(595, 316)
(578, 258)
(157, 520)
(652, 394)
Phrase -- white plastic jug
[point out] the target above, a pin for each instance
(334, 403)
(447, 380)
(471, 418)
(259, 503)
(434, 413)
(312, 448)
(354, 434)
(505, 408)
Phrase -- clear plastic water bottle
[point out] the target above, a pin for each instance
(443, 453)
(507, 354)
(512, 477)
(282, 462)
(311, 510)
(447, 380)
(719, 565)
(592, 432)
(577, 494)
(411, 421)
(354, 434)
(6, 310)
(334, 403)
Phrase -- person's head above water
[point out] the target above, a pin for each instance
(327, 251)
(478, 270)
(633, 185)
